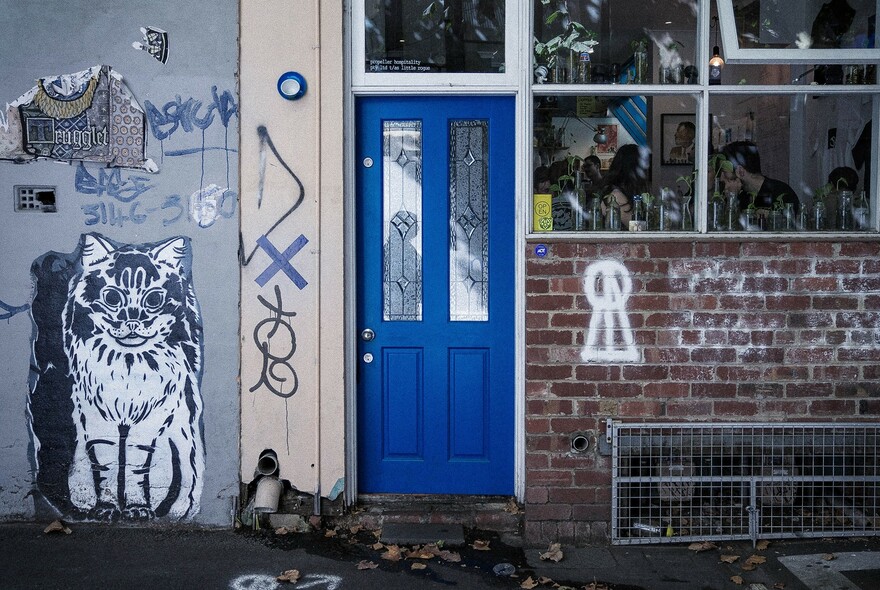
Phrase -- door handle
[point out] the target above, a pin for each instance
(367, 335)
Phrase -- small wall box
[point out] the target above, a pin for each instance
(542, 212)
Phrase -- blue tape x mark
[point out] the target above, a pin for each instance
(280, 261)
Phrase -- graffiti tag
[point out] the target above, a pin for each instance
(276, 339)
(607, 285)
(190, 114)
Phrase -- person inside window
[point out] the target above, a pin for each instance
(592, 168)
(747, 171)
(683, 150)
(627, 177)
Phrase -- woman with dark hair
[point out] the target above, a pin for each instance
(627, 177)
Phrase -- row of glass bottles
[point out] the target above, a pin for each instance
(725, 215)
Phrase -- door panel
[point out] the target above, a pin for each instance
(435, 285)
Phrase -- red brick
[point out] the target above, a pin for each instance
(869, 267)
(861, 285)
(765, 284)
(537, 495)
(645, 372)
(785, 408)
(560, 337)
(537, 354)
(549, 478)
(666, 389)
(666, 355)
(741, 267)
(713, 390)
(537, 320)
(549, 407)
(850, 319)
(762, 320)
(635, 409)
(691, 373)
(789, 266)
(713, 355)
(548, 512)
(588, 477)
(812, 249)
(549, 267)
(717, 249)
(717, 285)
(549, 302)
(762, 338)
(863, 389)
(567, 285)
(715, 320)
(871, 354)
(577, 321)
(537, 425)
(738, 373)
(814, 284)
(860, 249)
(693, 302)
(839, 407)
(765, 249)
(668, 320)
(539, 285)
(619, 390)
(592, 372)
(790, 372)
(670, 250)
(590, 512)
(762, 355)
(836, 267)
(744, 301)
(648, 302)
(689, 408)
(835, 302)
(869, 407)
(667, 285)
(568, 425)
(573, 389)
(735, 408)
(776, 302)
(761, 389)
(810, 355)
(571, 496)
(810, 320)
(813, 389)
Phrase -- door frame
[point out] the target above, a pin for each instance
(519, 86)
(522, 121)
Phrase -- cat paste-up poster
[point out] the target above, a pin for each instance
(115, 407)
(88, 116)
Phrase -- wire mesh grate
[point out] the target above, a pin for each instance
(686, 482)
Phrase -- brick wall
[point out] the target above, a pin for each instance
(721, 331)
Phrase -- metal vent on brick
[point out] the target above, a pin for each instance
(686, 482)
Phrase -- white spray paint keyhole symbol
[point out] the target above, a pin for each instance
(607, 285)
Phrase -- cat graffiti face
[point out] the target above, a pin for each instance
(132, 298)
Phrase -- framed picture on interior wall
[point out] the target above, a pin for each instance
(678, 133)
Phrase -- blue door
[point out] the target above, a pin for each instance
(435, 198)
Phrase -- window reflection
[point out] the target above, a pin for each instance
(430, 36)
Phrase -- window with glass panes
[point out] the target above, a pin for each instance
(728, 116)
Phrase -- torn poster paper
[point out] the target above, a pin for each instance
(88, 116)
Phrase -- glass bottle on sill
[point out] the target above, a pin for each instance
(733, 223)
(596, 219)
(638, 222)
(844, 211)
(819, 221)
(612, 217)
(861, 212)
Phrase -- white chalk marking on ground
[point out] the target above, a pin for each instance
(263, 582)
(818, 573)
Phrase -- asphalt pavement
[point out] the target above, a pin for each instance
(93, 556)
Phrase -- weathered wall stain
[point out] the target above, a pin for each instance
(115, 406)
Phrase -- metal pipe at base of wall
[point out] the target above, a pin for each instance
(268, 494)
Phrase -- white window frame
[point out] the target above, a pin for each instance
(361, 78)
(736, 54)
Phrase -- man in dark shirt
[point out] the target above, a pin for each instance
(747, 171)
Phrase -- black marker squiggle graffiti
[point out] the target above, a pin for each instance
(266, 141)
(275, 363)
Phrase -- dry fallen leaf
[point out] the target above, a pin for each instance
(289, 576)
(512, 507)
(761, 545)
(481, 545)
(702, 546)
(736, 580)
(378, 546)
(450, 556)
(417, 566)
(753, 562)
(367, 565)
(528, 584)
(355, 529)
(393, 553)
(330, 533)
(553, 553)
(545, 580)
(729, 558)
(828, 557)
(779, 586)
(281, 530)
(56, 526)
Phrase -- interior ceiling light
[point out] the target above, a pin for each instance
(716, 62)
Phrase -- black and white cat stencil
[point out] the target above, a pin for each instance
(115, 407)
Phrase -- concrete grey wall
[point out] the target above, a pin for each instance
(191, 103)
